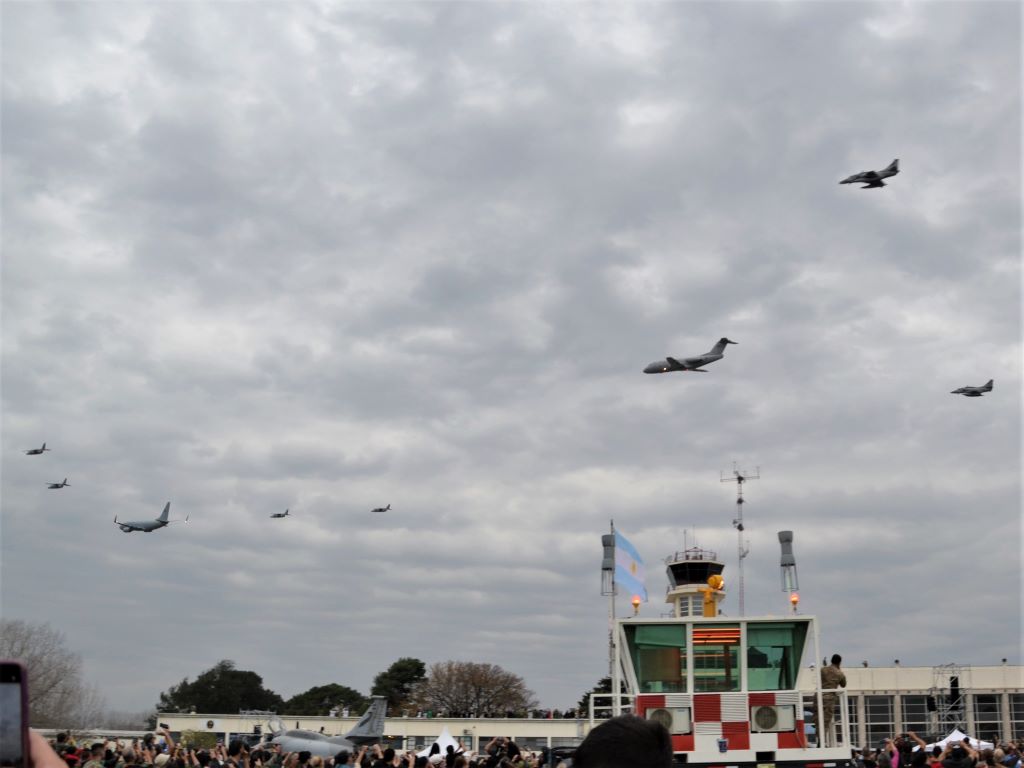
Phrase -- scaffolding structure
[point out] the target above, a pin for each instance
(950, 698)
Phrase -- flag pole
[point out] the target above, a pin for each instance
(613, 668)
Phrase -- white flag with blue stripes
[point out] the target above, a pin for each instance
(629, 568)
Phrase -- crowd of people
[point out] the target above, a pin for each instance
(621, 742)
(160, 750)
(908, 750)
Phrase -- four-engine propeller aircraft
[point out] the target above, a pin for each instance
(64, 484)
(369, 730)
(280, 514)
(146, 526)
(974, 391)
(670, 364)
(36, 451)
(381, 509)
(873, 178)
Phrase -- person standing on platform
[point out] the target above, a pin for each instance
(831, 677)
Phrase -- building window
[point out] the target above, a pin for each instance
(773, 655)
(658, 653)
(878, 720)
(987, 719)
(1016, 716)
(716, 657)
(851, 714)
(915, 715)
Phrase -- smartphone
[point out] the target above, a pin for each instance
(13, 715)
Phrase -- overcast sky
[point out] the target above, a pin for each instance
(328, 257)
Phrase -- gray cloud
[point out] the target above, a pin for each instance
(329, 257)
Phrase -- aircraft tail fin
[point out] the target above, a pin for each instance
(988, 385)
(894, 166)
(370, 728)
(165, 513)
(719, 348)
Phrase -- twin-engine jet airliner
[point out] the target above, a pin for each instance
(146, 526)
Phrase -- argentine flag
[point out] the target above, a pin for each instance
(629, 568)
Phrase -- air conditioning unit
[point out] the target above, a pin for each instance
(675, 719)
(773, 718)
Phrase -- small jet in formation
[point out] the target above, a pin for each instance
(64, 484)
(280, 514)
(369, 730)
(381, 509)
(974, 391)
(670, 364)
(873, 178)
(146, 526)
(36, 451)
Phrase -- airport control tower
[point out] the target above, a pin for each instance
(688, 574)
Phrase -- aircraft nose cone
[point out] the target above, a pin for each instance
(657, 367)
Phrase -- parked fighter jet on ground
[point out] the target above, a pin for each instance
(64, 484)
(36, 451)
(873, 178)
(381, 509)
(670, 364)
(974, 391)
(280, 514)
(369, 730)
(146, 526)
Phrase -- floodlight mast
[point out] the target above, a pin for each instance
(740, 478)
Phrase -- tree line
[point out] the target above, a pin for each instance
(449, 687)
(59, 697)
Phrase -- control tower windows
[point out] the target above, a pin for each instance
(716, 657)
(773, 655)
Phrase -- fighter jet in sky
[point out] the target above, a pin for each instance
(670, 364)
(280, 514)
(369, 730)
(381, 509)
(64, 484)
(146, 526)
(974, 391)
(36, 451)
(873, 178)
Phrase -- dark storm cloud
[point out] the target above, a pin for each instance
(327, 258)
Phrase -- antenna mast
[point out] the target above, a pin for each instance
(740, 478)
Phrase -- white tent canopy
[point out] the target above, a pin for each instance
(443, 741)
(958, 735)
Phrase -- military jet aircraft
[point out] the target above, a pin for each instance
(279, 514)
(974, 391)
(670, 364)
(36, 451)
(369, 730)
(381, 509)
(64, 484)
(873, 178)
(147, 526)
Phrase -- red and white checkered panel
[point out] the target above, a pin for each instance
(680, 742)
(717, 715)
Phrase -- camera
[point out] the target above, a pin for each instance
(164, 725)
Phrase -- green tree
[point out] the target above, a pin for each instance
(397, 682)
(604, 685)
(323, 698)
(221, 689)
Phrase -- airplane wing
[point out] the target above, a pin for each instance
(876, 182)
(681, 366)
